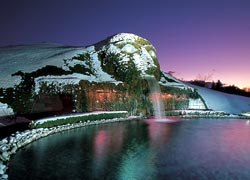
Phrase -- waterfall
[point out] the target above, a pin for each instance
(155, 91)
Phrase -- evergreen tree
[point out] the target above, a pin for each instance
(219, 85)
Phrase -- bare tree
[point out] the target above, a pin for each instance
(204, 77)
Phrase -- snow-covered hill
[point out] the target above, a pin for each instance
(126, 49)
(220, 101)
(120, 59)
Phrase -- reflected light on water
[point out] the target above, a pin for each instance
(147, 149)
(138, 163)
(101, 144)
(159, 133)
(106, 142)
(235, 139)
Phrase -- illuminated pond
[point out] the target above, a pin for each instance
(188, 149)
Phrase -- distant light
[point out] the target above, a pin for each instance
(246, 114)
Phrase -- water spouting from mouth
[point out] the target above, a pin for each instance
(155, 91)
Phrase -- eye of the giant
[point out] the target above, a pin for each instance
(152, 53)
(129, 48)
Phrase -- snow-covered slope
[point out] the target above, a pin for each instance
(28, 58)
(224, 102)
(127, 48)
(93, 65)
(169, 81)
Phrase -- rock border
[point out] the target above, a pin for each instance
(10, 145)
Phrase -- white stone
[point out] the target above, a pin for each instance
(4, 147)
(5, 176)
(14, 149)
(5, 156)
(4, 141)
(3, 168)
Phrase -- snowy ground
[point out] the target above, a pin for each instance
(219, 101)
(29, 58)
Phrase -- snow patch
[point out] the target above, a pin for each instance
(144, 61)
(5, 110)
(129, 48)
(112, 49)
(173, 83)
(125, 60)
(75, 78)
(127, 37)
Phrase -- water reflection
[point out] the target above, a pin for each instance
(138, 162)
(159, 133)
(101, 150)
(194, 149)
(106, 143)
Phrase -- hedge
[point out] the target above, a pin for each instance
(76, 119)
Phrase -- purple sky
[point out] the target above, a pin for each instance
(191, 37)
